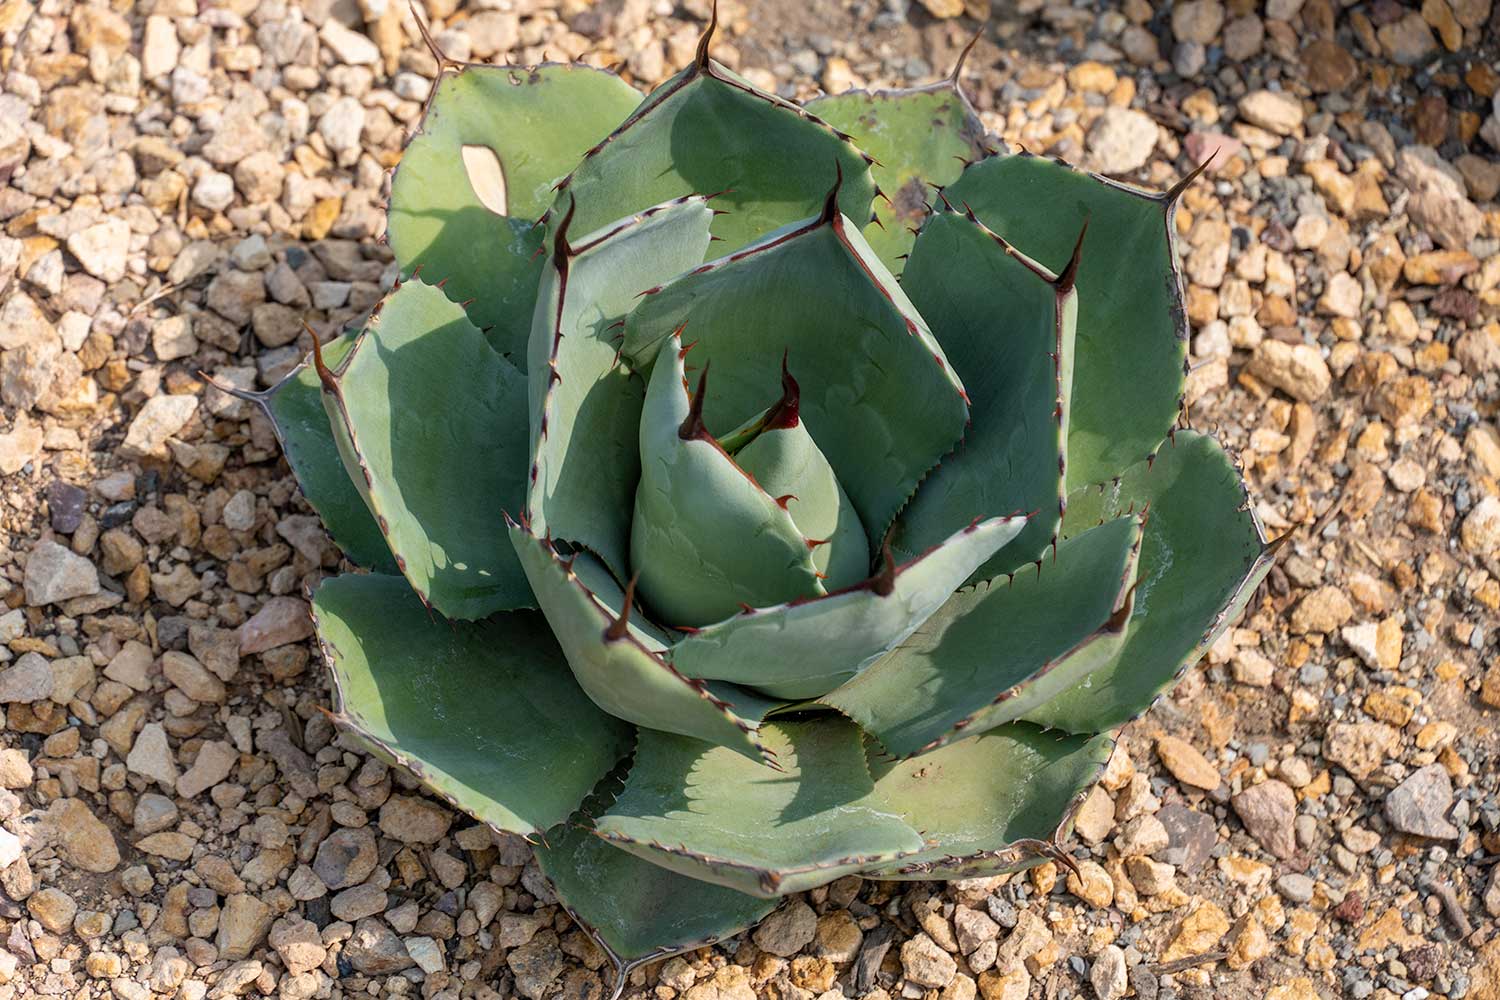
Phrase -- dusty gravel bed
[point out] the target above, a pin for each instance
(1313, 812)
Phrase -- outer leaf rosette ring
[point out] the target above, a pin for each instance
(725, 535)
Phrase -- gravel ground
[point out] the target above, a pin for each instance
(1314, 812)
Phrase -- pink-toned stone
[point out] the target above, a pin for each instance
(280, 621)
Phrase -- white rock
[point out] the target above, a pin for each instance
(1342, 296)
(350, 46)
(1480, 531)
(214, 191)
(1364, 640)
(425, 952)
(341, 125)
(159, 47)
(73, 327)
(1121, 141)
(29, 681)
(102, 249)
(20, 444)
(46, 273)
(159, 419)
(151, 757)
(173, 338)
(10, 848)
(55, 574)
(216, 759)
(239, 512)
(131, 666)
(23, 324)
(1108, 973)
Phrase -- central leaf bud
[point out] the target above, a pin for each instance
(752, 519)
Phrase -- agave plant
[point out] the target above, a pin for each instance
(847, 551)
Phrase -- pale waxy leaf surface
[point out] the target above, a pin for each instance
(787, 464)
(626, 675)
(1132, 326)
(1008, 330)
(920, 139)
(706, 538)
(806, 649)
(485, 714)
(431, 422)
(295, 406)
(982, 798)
(635, 908)
(707, 131)
(877, 395)
(584, 407)
(1201, 559)
(514, 132)
(711, 814)
(955, 674)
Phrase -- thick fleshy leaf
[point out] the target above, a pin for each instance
(431, 423)
(993, 803)
(1006, 324)
(1132, 326)
(585, 406)
(785, 461)
(808, 648)
(713, 815)
(477, 175)
(709, 131)
(620, 666)
(706, 539)
(973, 664)
(484, 714)
(635, 909)
(1202, 557)
(921, 139)
(295, 408)
(877, 394)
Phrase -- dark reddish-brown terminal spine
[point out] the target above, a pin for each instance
(620, 627)
(785, 413)
(692, 428)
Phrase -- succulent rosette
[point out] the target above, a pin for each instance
(753, 494)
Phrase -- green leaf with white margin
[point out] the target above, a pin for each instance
(480, 171)
(1132, 325)
(1202, 557)
(877, 394)
(585, 406)
(485, 714)
(295, 408)
(709, 131)
(972, 665)
(705, 537)
(430, 422)
(637, 910)
(620, 664)
(1006, 324)
(806, 649)
(715, 816)
(921, 139)
(993, 803)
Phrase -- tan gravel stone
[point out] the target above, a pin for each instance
(81, 839)
(1298, 370)
(1199, 932)
(1186, 763)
